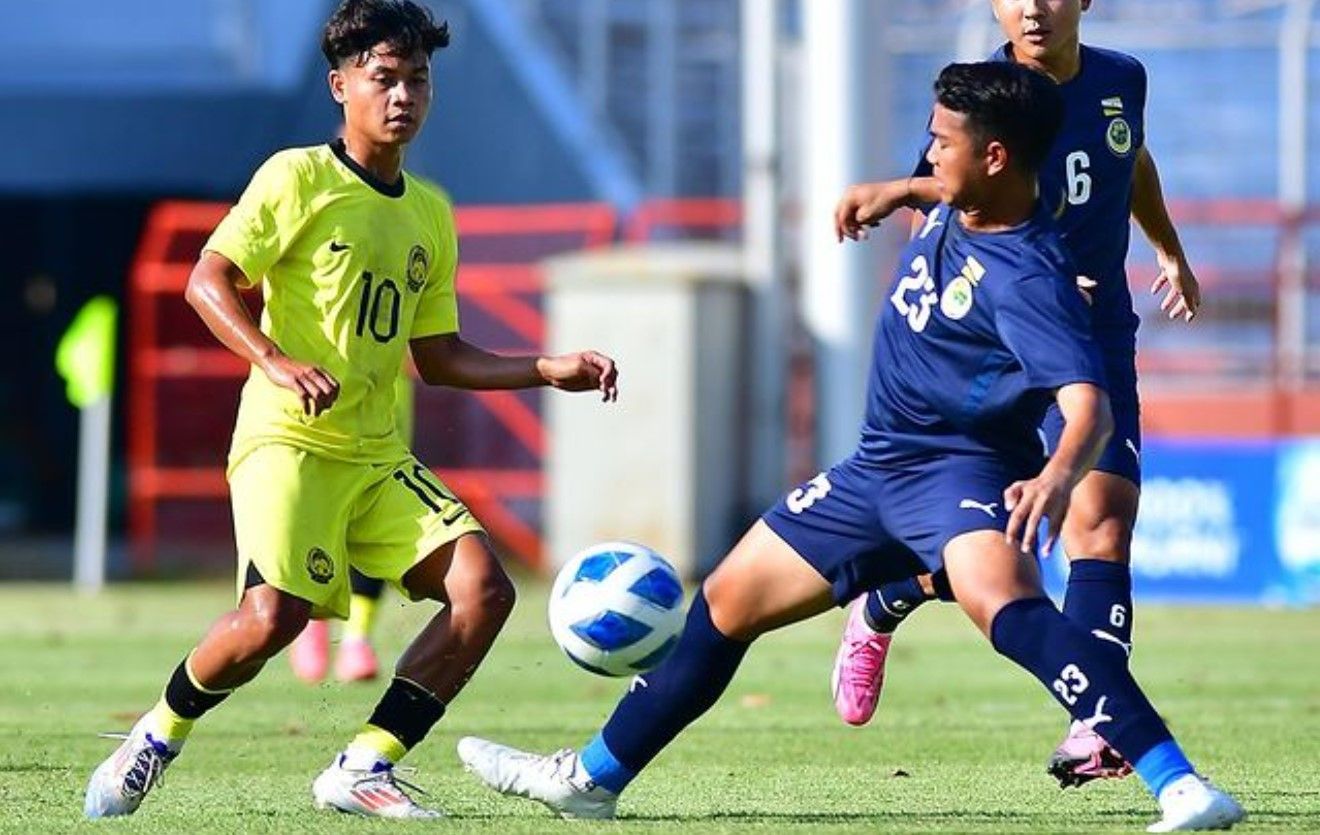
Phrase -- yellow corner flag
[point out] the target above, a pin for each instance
(85, 357)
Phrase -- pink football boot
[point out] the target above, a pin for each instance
(356, 661)
(310, 654)
(1084, 756)
(859, 667)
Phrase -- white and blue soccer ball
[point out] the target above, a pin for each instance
(616, 608)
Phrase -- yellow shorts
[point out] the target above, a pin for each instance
(302, 519)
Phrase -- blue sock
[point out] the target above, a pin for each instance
(661, 703)
(1161, 765)
(1091, 682)
(887, 606)
(1099, 600)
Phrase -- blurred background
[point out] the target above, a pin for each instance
(653, 178)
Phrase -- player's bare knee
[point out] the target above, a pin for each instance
(488, 595)
(270, 629)
(496, 595)
(1099, 538)
(981, 611)
(730, 608)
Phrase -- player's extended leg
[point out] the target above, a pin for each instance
(1097, 536)
(859, 664)
(356, 658)
(234, 650)
(761, 585)
(478, 596)
(1000, 591)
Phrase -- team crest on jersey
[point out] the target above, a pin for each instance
(319, 566)
(957, 299)
(1119, 136)
(418, 267)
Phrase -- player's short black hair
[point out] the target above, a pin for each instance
(1006, 102)
(358, 25)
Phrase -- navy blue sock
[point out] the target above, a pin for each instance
(661, 703)
(1099, 600)
(1091, 682)
(888, 605)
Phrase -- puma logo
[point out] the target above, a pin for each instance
(1105, 636)
(972, 504)
(932, 221)
(1099, 717)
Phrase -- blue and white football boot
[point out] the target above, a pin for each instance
(559, 780)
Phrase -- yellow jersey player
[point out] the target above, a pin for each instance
(356, 259)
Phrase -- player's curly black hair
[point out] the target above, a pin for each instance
(359, 25)
(1006, 102)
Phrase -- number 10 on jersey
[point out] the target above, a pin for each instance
(377, 294)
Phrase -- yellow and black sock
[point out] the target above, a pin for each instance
(402, 718)
(361, 618)
(183, 703)
(364, 607)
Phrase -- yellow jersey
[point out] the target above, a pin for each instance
(351, 268)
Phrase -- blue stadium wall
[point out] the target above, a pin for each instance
(1224, 521)
(97, 102)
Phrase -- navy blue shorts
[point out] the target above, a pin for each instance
(861, 526)
(1122, 454)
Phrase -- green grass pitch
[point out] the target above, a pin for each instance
(958, 745)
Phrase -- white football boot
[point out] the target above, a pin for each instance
(121, 782)
(372, 793)
(559, 780)
(1193, 803)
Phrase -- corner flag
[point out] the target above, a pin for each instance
(85, 357)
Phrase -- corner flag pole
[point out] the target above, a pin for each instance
(85, 358)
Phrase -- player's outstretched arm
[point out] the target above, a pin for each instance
(447, 360)
(866, 204)
(1087, 426)
(213, 293)
(1183, 296)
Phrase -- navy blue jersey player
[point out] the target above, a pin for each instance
(982, 327)
(1098, 174)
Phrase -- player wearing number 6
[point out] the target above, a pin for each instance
(981, 330)
(1097, 176)
(356, 260)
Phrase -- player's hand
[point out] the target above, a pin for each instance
(1045, 496)
(863, 206)
(314, 386)
(1184, 291)
(583, 371)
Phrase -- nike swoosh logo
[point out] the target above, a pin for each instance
(336, 246)
(453, 516)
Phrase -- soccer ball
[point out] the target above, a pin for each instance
(616, 608)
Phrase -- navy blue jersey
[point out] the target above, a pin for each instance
(977, 332)
(1087, 178)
